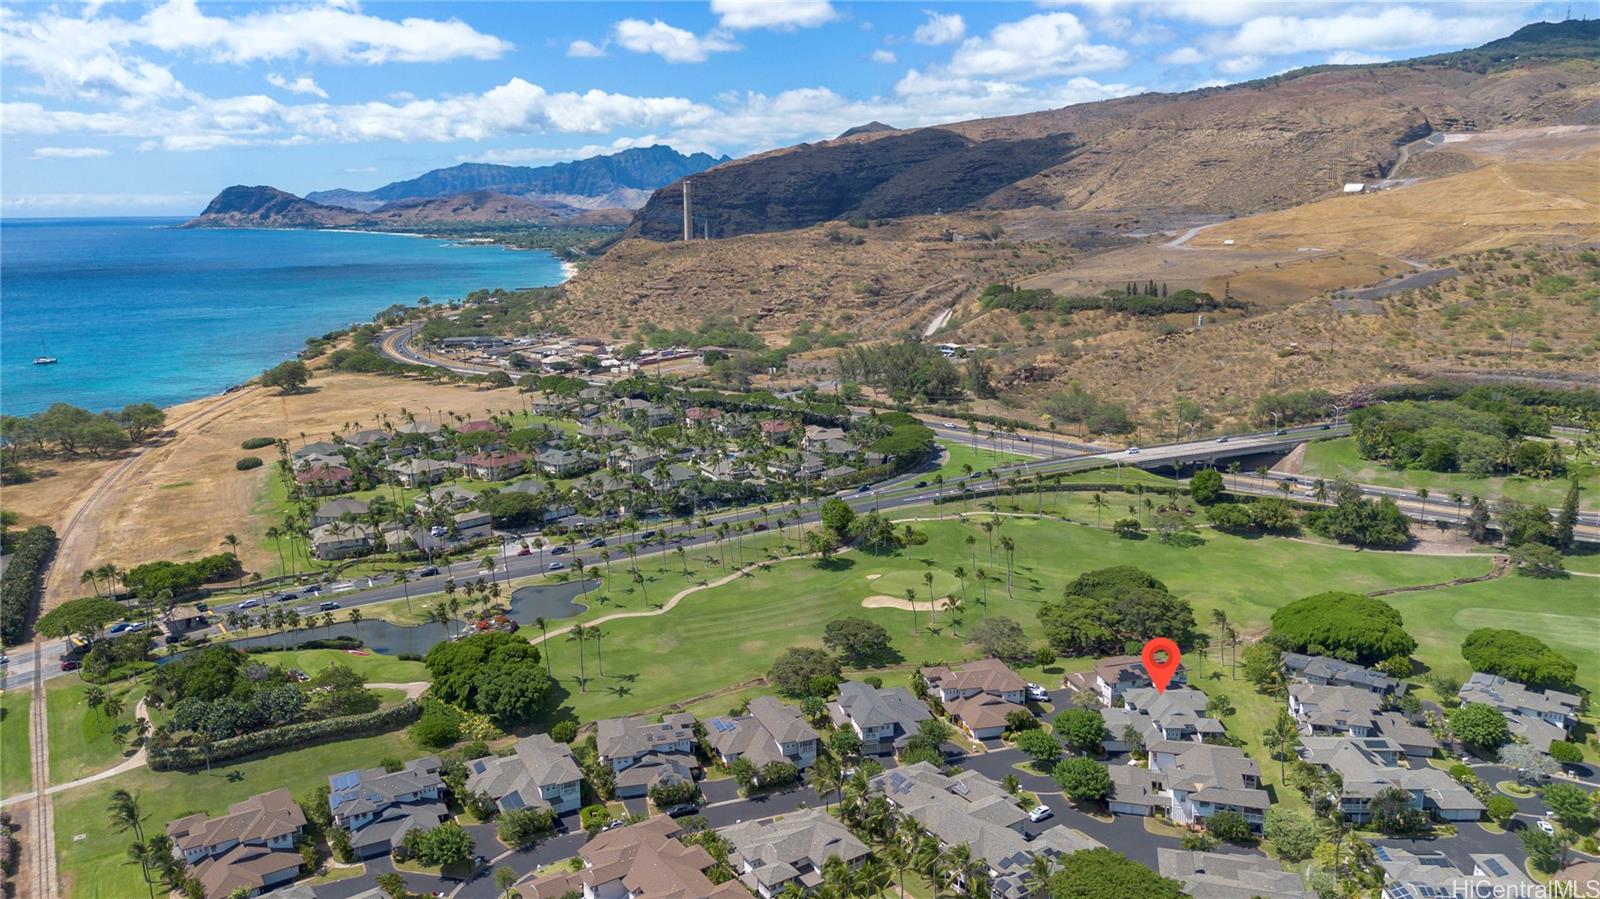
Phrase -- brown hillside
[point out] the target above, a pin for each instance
(1239, 149)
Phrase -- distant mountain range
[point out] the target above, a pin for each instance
(601, 190)
(622, 179)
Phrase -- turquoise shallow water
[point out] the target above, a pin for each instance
(138, 311)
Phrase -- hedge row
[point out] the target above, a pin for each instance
(19, 586)
(1027, 490)
(297, 736)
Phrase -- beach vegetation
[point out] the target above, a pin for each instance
(20, 584)
(289, 377)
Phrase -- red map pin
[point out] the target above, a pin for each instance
(1160, 669)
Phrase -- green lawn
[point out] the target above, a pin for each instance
(81, 738)
(963, 454)
(1562, 613)
(1589, 562)
(1338, 459)
(378, 669)
(96, 867)
(16, 761)
(728, 635)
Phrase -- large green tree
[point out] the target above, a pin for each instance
(288, 376)
(1519, 657)
(1347, 626)
(795, 670)
(495, 674)
(1112, 609)
(1483, 726)
(1104, 874)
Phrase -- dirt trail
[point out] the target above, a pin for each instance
(1500, 568)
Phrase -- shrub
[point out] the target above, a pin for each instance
(256, 443)
(666, 795)
(439, 726)
(247, 463)
(1082, 779)
(1230, 827)
(792, 672)
(1127, 528)
(594, 817)
(1566, 753)
(522, 827)
(1206, 486)
(1500, 809)
(564, 731)
(299, 736)
(19, 586)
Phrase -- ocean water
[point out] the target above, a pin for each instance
(139, 311)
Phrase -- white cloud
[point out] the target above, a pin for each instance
(38, 202)
(70, 153)
(1391, 28)
(360, 170)
(1035, 47)
(331, 33)
(545, 155)
(585, 49)
(670, 43)
(1353, 58)
(1184, 56)
(1204, 12)
(883, 56)
(516, 107)
(302, 85)
(940, 28)
(782, 15)
(95, 57)
(1238, 65)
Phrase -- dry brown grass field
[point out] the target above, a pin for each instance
(176, 499)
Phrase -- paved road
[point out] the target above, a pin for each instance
(1434, 509)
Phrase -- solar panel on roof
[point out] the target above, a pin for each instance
(346, 780)
(512, 801)
(1493, 866)
(1438, 861)
(1382, 853)
(1400, 891)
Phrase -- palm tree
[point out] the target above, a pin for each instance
(595, 634)
(683, 558)
(544, 642)
(354, 615)
(1009, 547)
(927, 578)
(638, 578)
(487, 564)
(1038, 876)
(1220, 619)
(112, 707)
(232, 543)
(1281, 739)
(1099, 503)
(972, 544)
(404, 577)
(578, 633)
(327, 621)
(1319, 490)
(1422, 494)
(90, 576)
(826, 778)
(911, 597)
(94, 697)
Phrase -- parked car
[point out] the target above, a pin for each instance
(436, 531)
(327, 605)
(201, 607)
(118, 628)
(136, 627)
(1038, 693)
(1545, 826)
(679, 811)
(1040, 813)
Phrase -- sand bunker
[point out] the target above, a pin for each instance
(873, 577)
(880, 601)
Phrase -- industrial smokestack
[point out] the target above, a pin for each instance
(688, 215)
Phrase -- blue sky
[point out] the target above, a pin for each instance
(150, 109)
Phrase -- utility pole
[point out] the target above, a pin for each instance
(688, 213)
